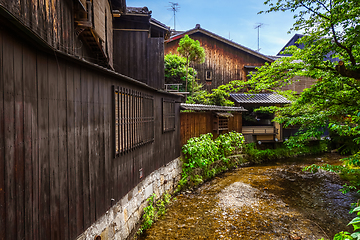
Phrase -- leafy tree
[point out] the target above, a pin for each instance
(218, 96)
(192, 51)
(330, 55)
(175, 70)
(332, 29)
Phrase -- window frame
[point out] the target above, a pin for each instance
(133, 119)
(206, 75)
(168, 115)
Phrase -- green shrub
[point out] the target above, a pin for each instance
(203, 152)
(257, 155)
(153, 211)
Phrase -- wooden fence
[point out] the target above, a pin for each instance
(195, 123)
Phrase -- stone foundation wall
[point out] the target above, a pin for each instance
(122, 218)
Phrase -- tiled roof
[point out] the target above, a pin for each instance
(138, 10)
(201, 107)
(243, 98)
(154, 21)
(221, 39)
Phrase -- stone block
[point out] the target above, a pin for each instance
(148, 191)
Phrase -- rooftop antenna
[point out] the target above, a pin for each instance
(258, 26)
(175, 8)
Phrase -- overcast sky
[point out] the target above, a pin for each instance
(234, 18)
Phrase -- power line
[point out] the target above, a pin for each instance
(175, 8)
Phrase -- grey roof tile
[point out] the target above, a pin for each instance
(243, 98)
(138, 10)
(202, 107)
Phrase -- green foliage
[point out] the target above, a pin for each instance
(203, 152)
(331, 29)
(175, 71)
(192, 51)
(349, 171)
(153, 211)
(149, 214)
(330, 54)
(356, 225)
(218, 96)
(258, 155)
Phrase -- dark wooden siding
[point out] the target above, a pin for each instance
(58, 170)
(140, 57)
(193, 124)
(226, 63)
(53, 21)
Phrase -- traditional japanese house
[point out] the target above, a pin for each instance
(78, 140)
(225, 60)
(139, 43)
(202, 119)
(258, 126)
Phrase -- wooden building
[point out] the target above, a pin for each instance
(225, 60)
(73, 133)
(258, 126)
(144, 60)
(203, 119)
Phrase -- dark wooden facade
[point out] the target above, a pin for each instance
(139, 41)
(193, 124)
(79, 28)
(58, 168)
(225, 60)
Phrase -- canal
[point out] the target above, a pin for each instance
(270, 201)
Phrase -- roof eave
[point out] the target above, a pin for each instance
(233, 44)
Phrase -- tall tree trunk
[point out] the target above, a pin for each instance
(187, 73)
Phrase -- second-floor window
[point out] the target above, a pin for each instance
(133, 119)
(208, 75)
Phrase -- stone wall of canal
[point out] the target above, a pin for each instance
(121, 220)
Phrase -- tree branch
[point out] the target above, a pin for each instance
(348, 50)
(324, 6)
(315, 12)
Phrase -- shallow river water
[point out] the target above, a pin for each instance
(271, 201)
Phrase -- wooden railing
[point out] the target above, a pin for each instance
(168, 87)
(259, 130)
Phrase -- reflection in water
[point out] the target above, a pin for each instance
(272, 201)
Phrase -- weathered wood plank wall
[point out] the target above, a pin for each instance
(226, 63)
(58, 170)
(53, 21)
(193, 124)
(141, 58)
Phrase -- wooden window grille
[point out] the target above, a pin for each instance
(221, 121)
(133, 119)
(168, 115)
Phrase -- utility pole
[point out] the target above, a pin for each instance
(258, 26)
(175, 8)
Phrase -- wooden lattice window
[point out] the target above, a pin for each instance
(133, 119)
(221, 121)
(168, 115)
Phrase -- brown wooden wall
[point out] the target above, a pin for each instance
(53, 21)
(58, 173)
(140, 57)
(193, 124)
(224, 61)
